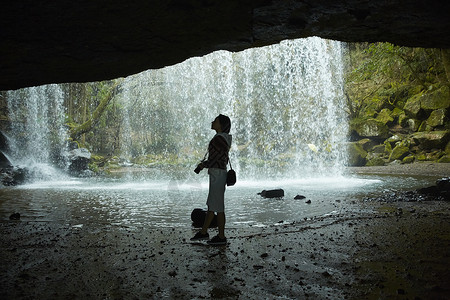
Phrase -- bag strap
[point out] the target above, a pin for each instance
(229, 161)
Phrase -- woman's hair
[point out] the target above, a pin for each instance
(225, 123)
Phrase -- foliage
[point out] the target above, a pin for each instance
(382, 75)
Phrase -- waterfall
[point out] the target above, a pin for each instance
(37, 133)
(285, 101)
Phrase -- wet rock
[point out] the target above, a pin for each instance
(4, 161)
(299, 197)
(443, 184)
(431, 139)
(79, 160)
(14, 176)
(357, 156)
(400, 151)
(276, 193)
(308, 202)
(14, 216)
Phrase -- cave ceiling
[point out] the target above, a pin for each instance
(79, 41)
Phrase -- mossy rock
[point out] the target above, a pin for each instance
(439, 99)
(378, 149)
(431, 139)
(384, 116)
(403, 119)
(356, 154)
(412, 106)
(437, 118)
(444, 159)
(421, 157)
(367, 144)
(377, 161)
(408, 159)
(387, 147)
(370, 128)
(395, 139)
(447, 148)
(399, 151)
(397, 112)
(412, 124)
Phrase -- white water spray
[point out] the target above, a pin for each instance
(38, 136)
(285, 101)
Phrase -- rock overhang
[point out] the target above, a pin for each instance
(80, 41)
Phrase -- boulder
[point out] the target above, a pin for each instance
(412, 125)
(367, 144)
(4, 161)
(439, 99)
(79, 160)
(15, 216)
(412, 106)
(14, 176)
(276, 193)
(357, 156)
(399, 151)
(431, 139)
(437, 118)
(3, 142)
(371, 128)
(444, 159)
(378, 149)
(443, 184)
(376, 161)
(384, 116)
(442, 189)
(408, 159)
(395, 139)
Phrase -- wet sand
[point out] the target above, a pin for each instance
(369, 250)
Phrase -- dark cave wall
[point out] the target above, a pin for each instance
(80, 41)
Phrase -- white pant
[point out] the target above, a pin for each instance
(217, 182)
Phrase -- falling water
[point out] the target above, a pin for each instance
(285, 101)
(37, 131)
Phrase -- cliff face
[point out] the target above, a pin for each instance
(80, 41)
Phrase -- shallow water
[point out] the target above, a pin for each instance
(169, 203)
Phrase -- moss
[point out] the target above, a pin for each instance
(377, 161)
(400, 151)
(387, 147)
(437, 118)
(408, 159)
(412, 106)
(384, 116)
(421, 157)
(356, 154)
(444, 159)
(370, 128)
(439, 99)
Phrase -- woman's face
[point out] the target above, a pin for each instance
(216, 125)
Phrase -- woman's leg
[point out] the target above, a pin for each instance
(208, 219)
(221, 224)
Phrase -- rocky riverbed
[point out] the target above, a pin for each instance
(378, 249)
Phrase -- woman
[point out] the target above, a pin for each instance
(218, 149)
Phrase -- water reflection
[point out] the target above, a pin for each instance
(167, 203)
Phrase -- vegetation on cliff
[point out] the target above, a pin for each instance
(398, 104)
